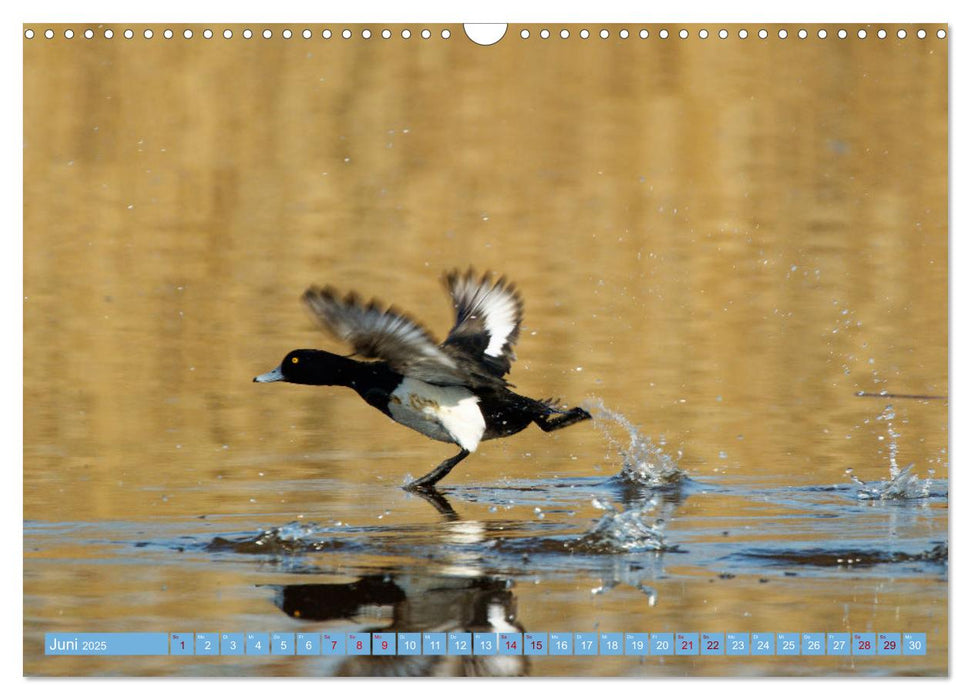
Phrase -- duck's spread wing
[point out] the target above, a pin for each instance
(384, 334)
(488, 315)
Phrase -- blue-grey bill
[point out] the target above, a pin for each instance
(274, 375)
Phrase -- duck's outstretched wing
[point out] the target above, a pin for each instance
(385, 334)
(488, 315)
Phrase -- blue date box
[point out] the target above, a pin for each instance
(561, 643)
(535, 644)
(813, 644)
(232, 644)
(409, 643)
(637, 644)
(712, 644)
(763, 644)
(308, 644)
(737, 644)
(686, 643)
(383, 643)
(787, 644)
(333, 644)
(358, 643)
(915, 644)
(485, 643)
(207, 644)
(611, 644)
(460, 643)
(888, 644)
(282, 644)
(662, 644)
(434, 643)
(864, 644)
(510, 643)
(182, 644)
(838, 644)
(585, 644)
(257, 644)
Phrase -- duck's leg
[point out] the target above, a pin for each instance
(551, 423)
(438, 473)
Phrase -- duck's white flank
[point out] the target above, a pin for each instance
(446, 413)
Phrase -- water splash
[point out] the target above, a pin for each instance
(644, 463)
(902, 484)
(631, 530)
(887, 416)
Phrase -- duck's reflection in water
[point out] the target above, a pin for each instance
(434, 603)
(457, 591)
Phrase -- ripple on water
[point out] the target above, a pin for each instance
(293, 538)
(847, 558)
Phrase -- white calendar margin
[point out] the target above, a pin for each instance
(811, 11)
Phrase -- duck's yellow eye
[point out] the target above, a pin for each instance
(294, 360)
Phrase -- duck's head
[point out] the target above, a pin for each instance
(307, 367)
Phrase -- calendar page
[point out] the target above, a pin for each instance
(541, 349)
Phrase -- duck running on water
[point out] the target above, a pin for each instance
(453, 392)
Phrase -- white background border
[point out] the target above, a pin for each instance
(596, 11)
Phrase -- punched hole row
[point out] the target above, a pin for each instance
(245, 34)
(725, 33)
(524, 34)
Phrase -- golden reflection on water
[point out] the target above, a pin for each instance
(723, 240)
